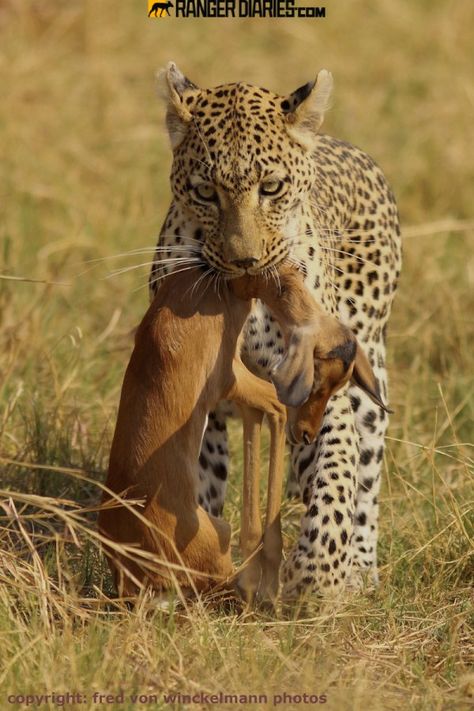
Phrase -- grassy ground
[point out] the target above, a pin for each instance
(84, 177)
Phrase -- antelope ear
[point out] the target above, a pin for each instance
(304, 109)
(293, 377)
(180, 95)
(364, 377)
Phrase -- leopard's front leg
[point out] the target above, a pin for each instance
(214, 461)
(372, 423)
(322, 559)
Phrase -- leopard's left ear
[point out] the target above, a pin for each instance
(180, 95)
(304, 109)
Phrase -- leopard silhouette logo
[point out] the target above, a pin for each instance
(162, 6)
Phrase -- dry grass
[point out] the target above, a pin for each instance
(84, 177)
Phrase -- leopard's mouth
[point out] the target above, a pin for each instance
(268, 264)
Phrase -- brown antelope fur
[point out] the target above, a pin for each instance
(186, 359)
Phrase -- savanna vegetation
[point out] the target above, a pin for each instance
(84, 180)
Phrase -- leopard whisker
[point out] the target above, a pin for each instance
(194, 286)
(276, 276)
(176, 260)
(142, 250)
(153, 281)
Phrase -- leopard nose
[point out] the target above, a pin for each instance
(245, 263)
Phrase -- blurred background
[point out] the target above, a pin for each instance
(84, 179)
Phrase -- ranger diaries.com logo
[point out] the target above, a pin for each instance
(232, 8)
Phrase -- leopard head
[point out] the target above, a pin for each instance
(242, 165)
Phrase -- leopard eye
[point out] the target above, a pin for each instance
(271, 187)
(205, 192)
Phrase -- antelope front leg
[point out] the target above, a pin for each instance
(272, 538)
(256, 397)
(251, 526)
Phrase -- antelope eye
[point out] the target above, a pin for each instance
(270, 187)
(205, 192)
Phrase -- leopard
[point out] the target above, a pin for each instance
(255, 183)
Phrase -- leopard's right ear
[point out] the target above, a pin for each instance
(304, 109)
(180, 95)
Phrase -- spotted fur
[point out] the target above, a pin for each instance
(336, 219)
